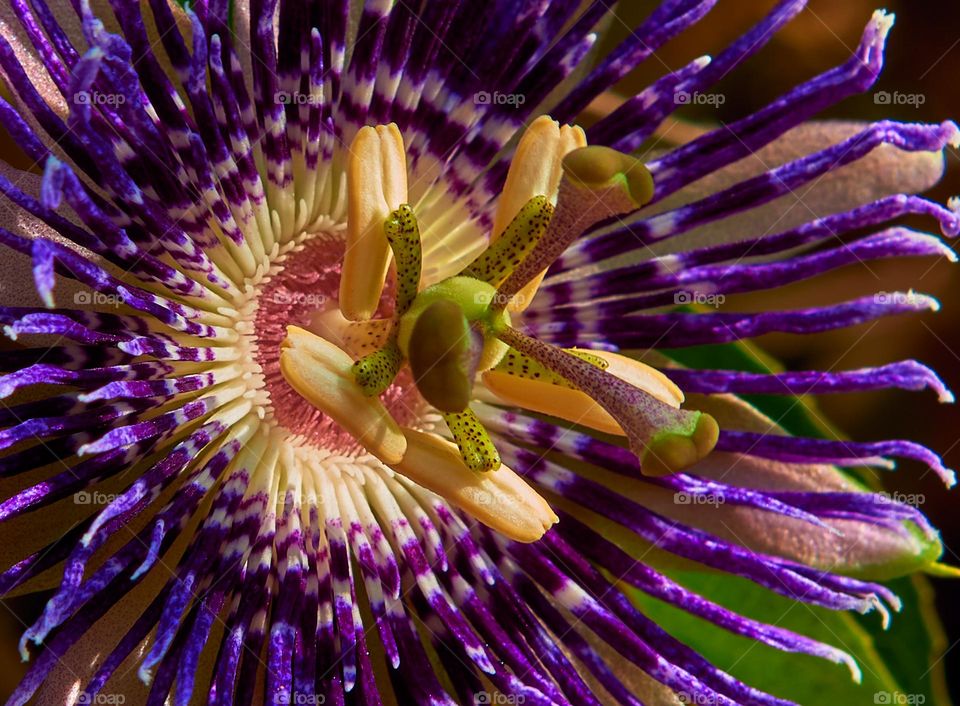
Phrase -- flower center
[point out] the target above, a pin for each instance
(348, 358)
(302, 291)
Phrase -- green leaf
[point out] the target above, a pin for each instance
(806, 680)
(912, 647)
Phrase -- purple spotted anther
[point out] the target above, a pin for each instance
(326, 318)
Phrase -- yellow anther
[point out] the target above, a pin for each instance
(358, 338)
(501, 500)
(542, 393)
(323, 375)
(376, 186)
(534, 171)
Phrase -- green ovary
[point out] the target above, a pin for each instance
(473, 298)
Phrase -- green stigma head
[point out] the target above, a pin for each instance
(474, 299)
(597, 167)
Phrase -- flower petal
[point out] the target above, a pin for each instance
(855, 547)
(885, 171)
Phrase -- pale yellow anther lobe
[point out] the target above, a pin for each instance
(546, 397)
(376, 186)
(534, 171)
(323, 375)
(502, 500)
(358, 338)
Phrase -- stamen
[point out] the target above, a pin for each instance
(522, 381)
(597, 183)
(502, 500)
(476, 447)
(523, 366)
(323, 375)
(665, 439)
(503, 255)
(376, 186)
(377, 370)
(534, 171)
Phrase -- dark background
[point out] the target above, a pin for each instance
(923, 57)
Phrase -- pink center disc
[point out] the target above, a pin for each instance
(309, 283)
